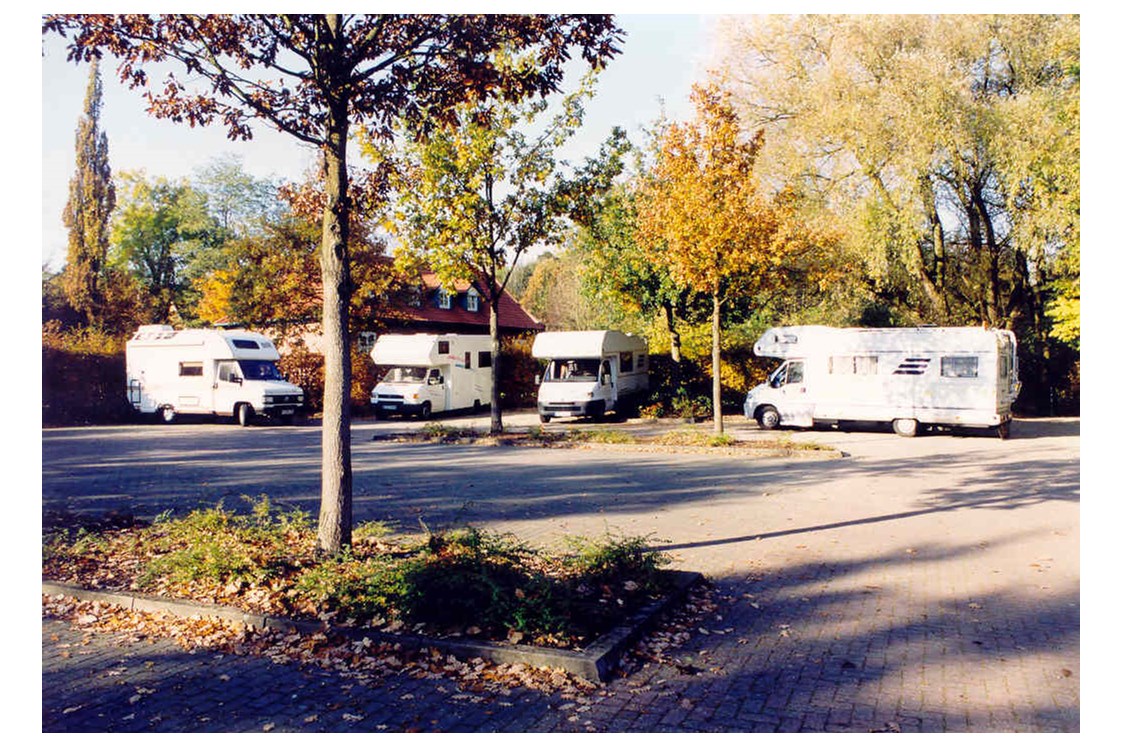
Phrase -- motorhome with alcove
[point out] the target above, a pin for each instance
(914, 378)
(431, 374)
(590, 372)
(207, 372)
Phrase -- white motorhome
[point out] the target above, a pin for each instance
(207, 371)
(590, 372)
(431, 374)
(913, 378)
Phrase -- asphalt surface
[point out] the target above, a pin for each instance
(914, 585)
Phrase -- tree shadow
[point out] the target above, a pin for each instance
(816, 647)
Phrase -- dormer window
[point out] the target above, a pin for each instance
(472, 300)
(444, 299)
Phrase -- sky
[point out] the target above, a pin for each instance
(662, 56)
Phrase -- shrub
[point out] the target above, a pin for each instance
(617, 560)
(83, 377)
(220, 546)
(455, 581)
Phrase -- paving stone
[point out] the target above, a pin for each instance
(869, 603)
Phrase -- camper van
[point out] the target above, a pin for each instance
(914, 378)
(210, 372)
(590, 372)
(431, 374)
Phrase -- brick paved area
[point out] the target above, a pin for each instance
(931, 593)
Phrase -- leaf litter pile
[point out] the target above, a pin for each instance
(463, 583)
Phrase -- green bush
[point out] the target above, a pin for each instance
(224, 547)
(474, 578)
(83, 378)
(614, 560)
(362, 589)
(463, 580)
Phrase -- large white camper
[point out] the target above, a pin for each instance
(590, 372)
(211, 372)
(913, 378)
(431, 374)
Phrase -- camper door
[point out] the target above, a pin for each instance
(790, 393)
(606, 385)
(437, 390)
(227, 386)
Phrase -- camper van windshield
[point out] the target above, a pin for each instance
(573, 370)
(406, 374)
(259, 370)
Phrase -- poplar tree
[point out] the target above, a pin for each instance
(88, 206)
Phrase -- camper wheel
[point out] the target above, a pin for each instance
(768, 418)
(244, 413)
(905, 426)
(167, 414)
(1002, 430)
(426, 409)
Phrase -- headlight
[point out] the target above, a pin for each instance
(268, 399)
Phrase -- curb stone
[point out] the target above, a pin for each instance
(595, 663)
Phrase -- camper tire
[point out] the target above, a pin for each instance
(905, 427)
(544, 418)
(167, 414)
(768, 418)
(243, 413)
(1002, 430)
(426, 410)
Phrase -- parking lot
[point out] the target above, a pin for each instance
(930, 583)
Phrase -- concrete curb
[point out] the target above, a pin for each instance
(595, 663)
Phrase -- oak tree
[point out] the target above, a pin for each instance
(703, 216)
(315, 77)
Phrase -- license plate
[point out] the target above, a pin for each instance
(389, 407)
(287, 411)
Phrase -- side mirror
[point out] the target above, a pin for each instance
(538, 379)
(236, 380)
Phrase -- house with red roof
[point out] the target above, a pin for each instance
(426, 306)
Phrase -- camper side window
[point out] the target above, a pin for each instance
(959, 367)
(191, 369)
(862, 365)
(442, 347)
(467, 359)
(795, 372)
(625, 362)
(485, 359)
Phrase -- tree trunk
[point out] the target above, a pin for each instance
(334, 531)
(672, 327)
(719, 425)
(493, 326)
